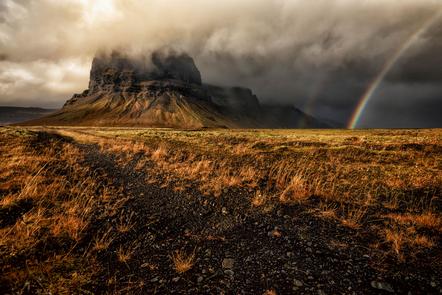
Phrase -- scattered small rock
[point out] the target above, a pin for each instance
(228, 263)
(229, 272)
(382, 286)
(298, 283)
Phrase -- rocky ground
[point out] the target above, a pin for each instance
(232, 247)
(239, 250)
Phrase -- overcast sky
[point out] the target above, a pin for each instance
(320, 56)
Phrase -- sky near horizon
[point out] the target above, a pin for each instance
(322, 56)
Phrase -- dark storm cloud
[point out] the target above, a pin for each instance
(405, 106)
(422, 64)
(319, 55)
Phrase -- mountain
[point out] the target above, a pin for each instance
(11, 115)
(165, 89)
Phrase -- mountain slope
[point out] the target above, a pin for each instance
(170, 107)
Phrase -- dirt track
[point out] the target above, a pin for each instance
(239, 249)
(86, 211)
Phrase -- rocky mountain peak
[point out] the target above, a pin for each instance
(117, 70)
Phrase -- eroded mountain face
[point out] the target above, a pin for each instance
(120, 71)
(165, 89)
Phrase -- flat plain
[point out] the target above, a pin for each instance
(137, 210)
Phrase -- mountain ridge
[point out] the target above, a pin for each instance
(15, 114)
(165, 89)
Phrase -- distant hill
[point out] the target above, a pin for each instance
(11, 115)
(165, 89)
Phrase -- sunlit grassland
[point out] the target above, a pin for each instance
(356, 176)
(386, 181)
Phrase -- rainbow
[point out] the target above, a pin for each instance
(368, 94)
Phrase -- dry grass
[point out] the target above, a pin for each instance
(353, 216)
(328, 210)
(406, 240)
(42, 175)
(259, 199)
(125, 253)
(182, 261)
(150, 266)
(71, 225)
(126, 222)
(103, 240)
(388, 178)
(393, 171)
(396, 238)
(339, 172)
(429, 220)
(295, 191)
(159, 154)
(423, 241)
(387, 169)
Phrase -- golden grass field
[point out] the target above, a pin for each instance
(384, 186)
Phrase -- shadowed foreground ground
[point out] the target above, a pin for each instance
(159, 211)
